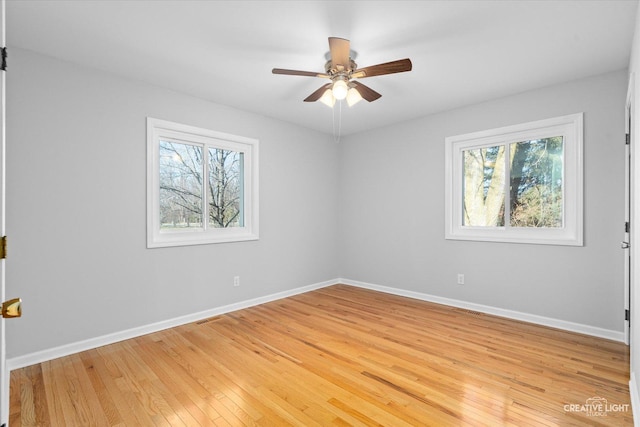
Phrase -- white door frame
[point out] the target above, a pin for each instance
(4, 373)
(628, 205)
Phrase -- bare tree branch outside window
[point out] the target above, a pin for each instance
(225, 188)
(182, 188)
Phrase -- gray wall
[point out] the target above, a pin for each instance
(367, 209)
(76, 208)
(392, 204)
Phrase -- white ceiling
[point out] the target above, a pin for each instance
(463, 52)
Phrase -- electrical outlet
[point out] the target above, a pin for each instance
(236, 280)
(460, 279)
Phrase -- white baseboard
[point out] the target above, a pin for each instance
(65, 350)
(510, 314)
(635, 399)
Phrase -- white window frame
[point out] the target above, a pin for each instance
(571, 233)
(162, 129)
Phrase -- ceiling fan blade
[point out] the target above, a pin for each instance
(340, 53)
(392, 67)
(318, 93)
(298, 73)
(366, 92)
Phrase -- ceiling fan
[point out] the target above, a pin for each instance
(342, 71)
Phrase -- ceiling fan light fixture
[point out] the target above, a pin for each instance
(340, 89)
(342, 72)
(353, 97)
(328, 99)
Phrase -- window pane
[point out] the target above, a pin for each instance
(483, 170)
(226, 188)
(536, 183)
(180, 185)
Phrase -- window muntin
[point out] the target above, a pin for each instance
(202, 186)
(520, 183)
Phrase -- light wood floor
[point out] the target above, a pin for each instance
(335, 356)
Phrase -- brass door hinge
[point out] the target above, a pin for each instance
(3, 247)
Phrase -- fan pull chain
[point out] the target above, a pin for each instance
(333, 112)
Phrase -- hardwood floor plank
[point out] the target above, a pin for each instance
(106, 370)
(103, 398)
(61, 394)
(335, 356)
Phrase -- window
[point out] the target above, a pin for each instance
(520, 184)
(202, 186)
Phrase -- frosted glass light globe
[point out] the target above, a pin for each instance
(340, 89)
